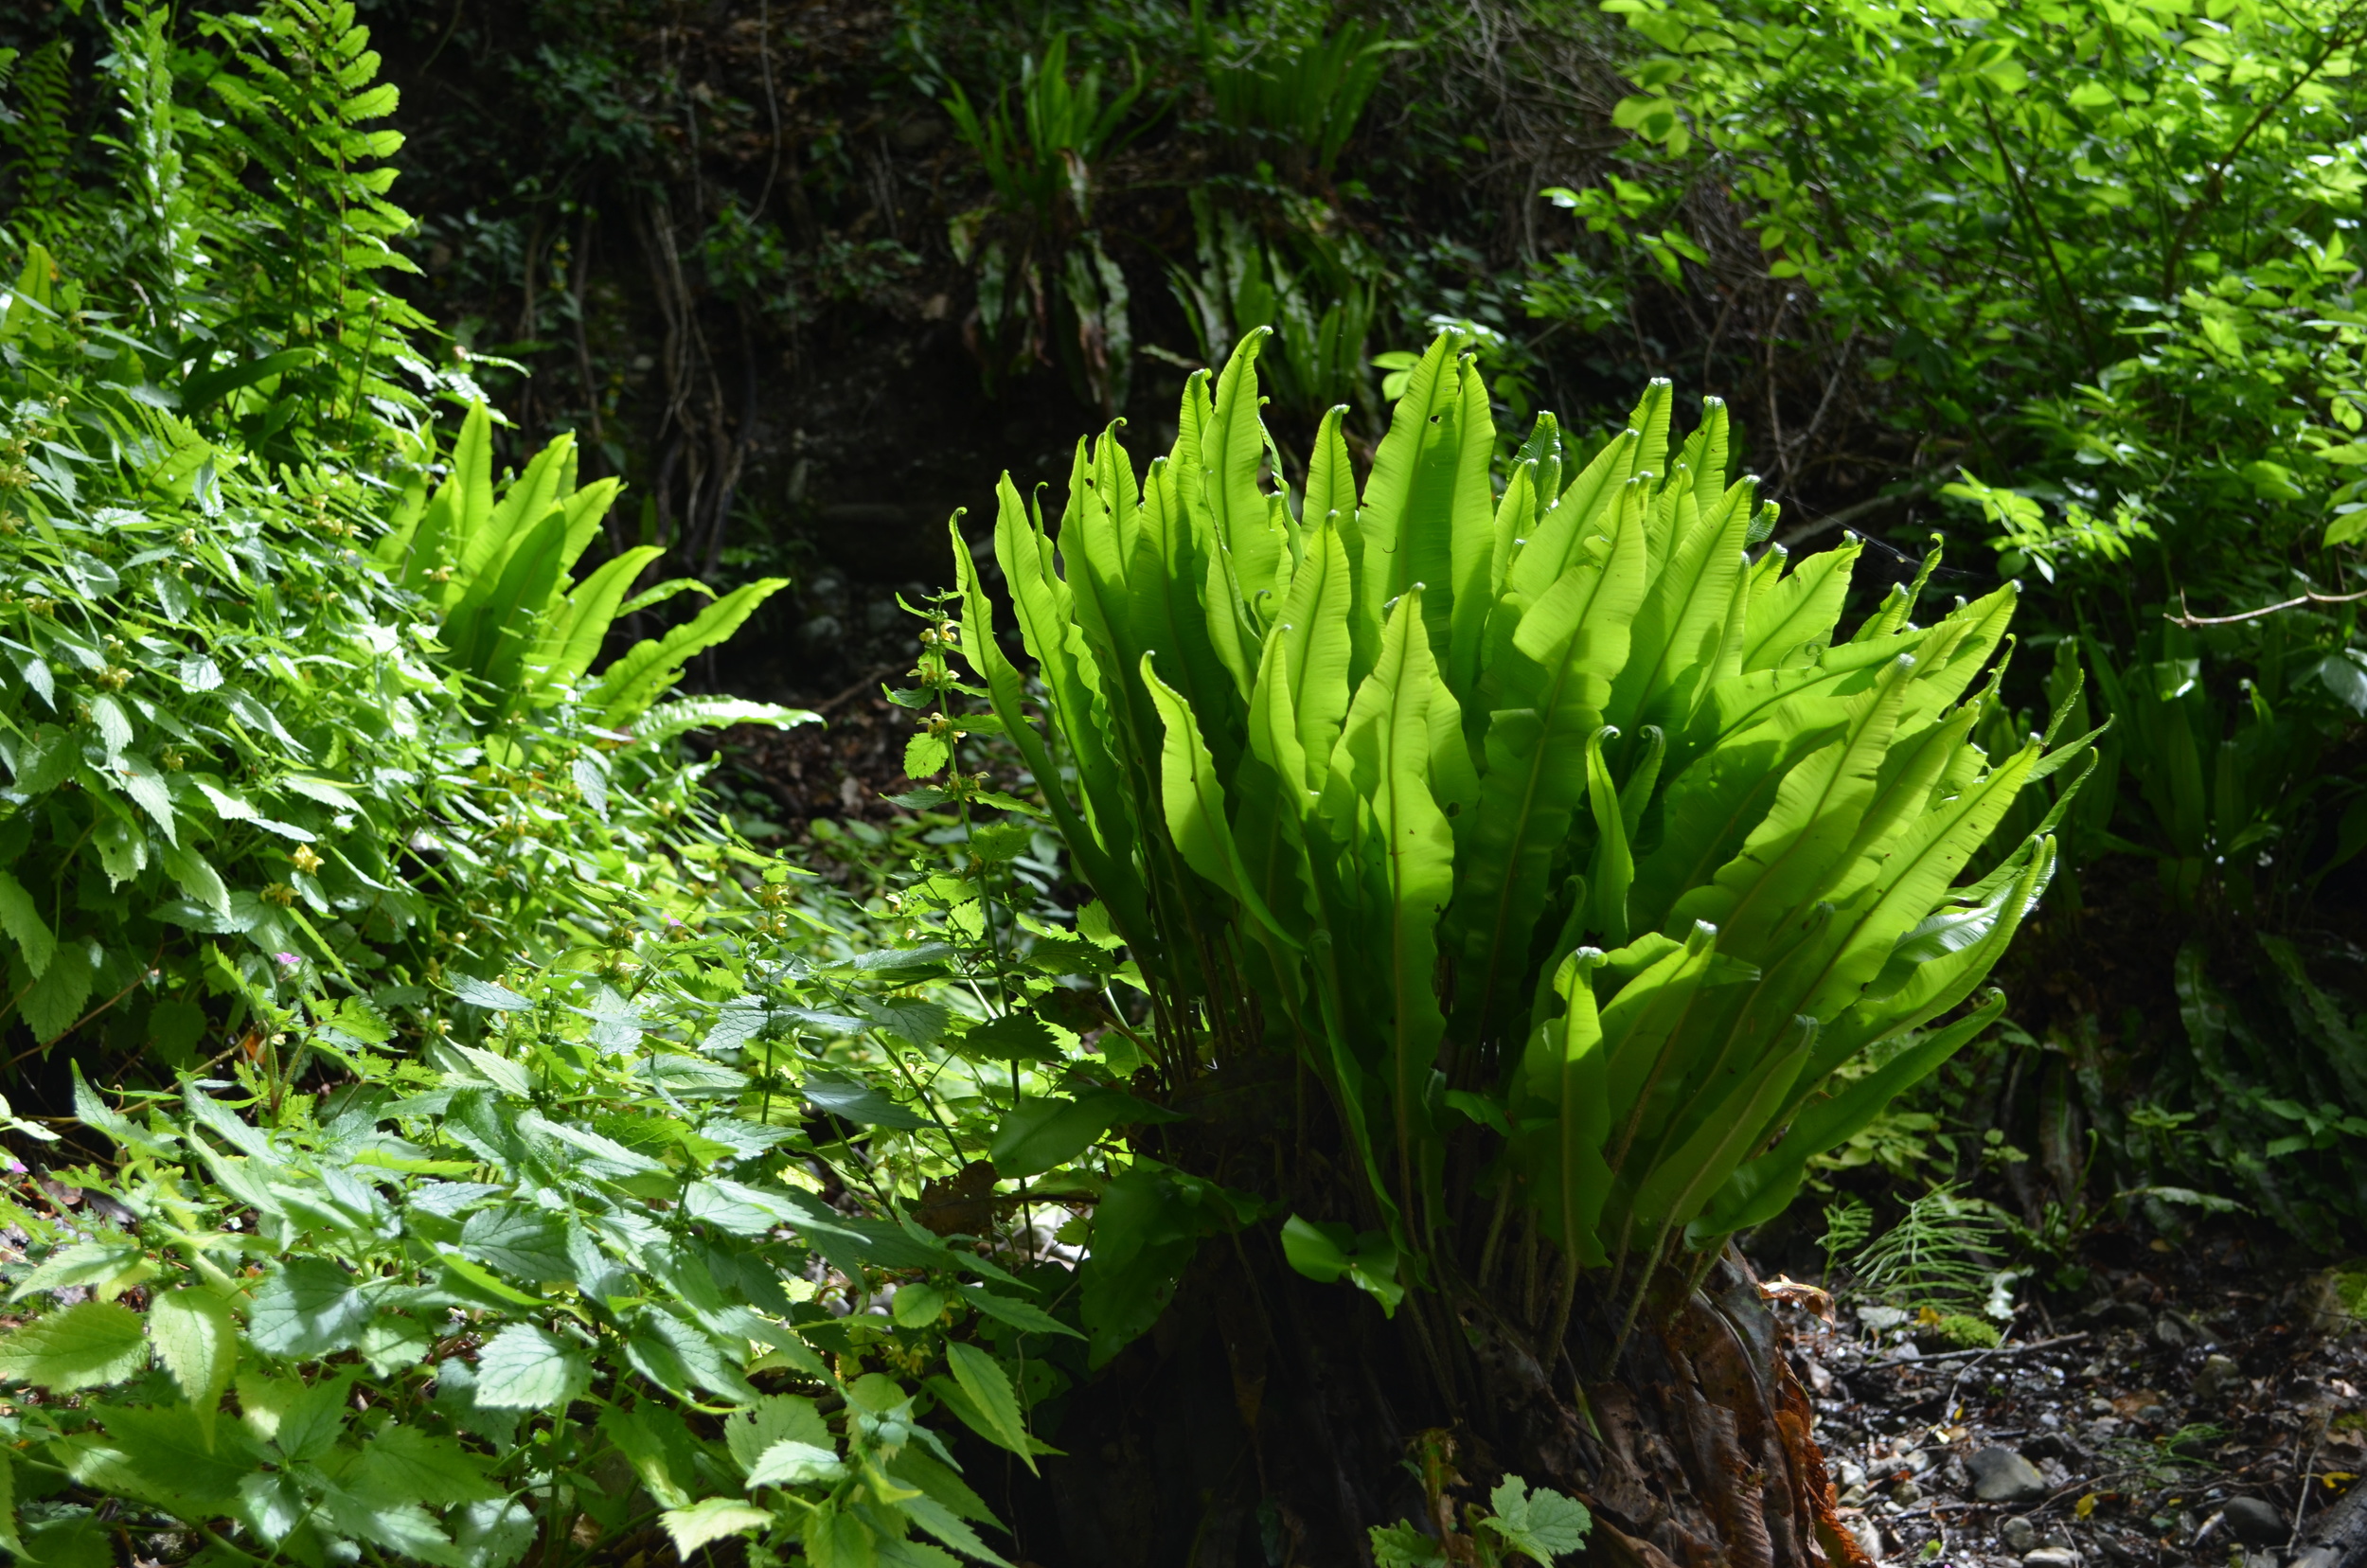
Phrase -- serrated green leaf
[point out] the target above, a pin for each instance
(80, 1347)
(197, 1340)
(982, 1378)
(524, 1368)
(307, 1307)
(711, 1519)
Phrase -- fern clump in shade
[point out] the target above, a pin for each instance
(513, 620)
(1567, 845)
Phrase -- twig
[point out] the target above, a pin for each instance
(1852, 512)
(856, 690)
(1992, 1350)
(2187, 619)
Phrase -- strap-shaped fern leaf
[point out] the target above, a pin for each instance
(1552, 795)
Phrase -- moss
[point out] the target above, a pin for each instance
(1963, 1331)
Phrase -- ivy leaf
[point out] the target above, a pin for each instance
(524, 1367)
(83, 1345)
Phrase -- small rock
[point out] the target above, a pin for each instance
(2216, 1376)
(2114, 1314)
(1869, 1535)
(2257, 1524)
(2017, 1534)
(1877, 1319)
(1849, 1474)
(2050, 1557)
(2001, 1475)
(1906, 1494)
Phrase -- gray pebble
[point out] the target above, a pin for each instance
(2257, 1524)
(2219, 1374)
(2001, 1475)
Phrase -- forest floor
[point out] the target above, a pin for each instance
(2204, 1406)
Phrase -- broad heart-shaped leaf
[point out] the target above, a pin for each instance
(161, 1455)
(1041, 1134)
(78, 1346)
(775, 1416)
(524, 1368)
(307, 1307)
(526, 1245)
(675, 1354)
(404, 1463)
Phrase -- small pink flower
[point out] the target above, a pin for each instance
(286, 960)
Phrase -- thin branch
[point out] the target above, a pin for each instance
(1851, 513)
(2187, 617)
(2045, 242)
(2215, 182)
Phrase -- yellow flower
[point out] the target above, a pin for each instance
(306, 861)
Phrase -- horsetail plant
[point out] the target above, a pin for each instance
(1562, 840)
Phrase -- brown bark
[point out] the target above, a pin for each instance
(1268, 1421)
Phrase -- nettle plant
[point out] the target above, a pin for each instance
(562, 1277)
(1565, 845)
